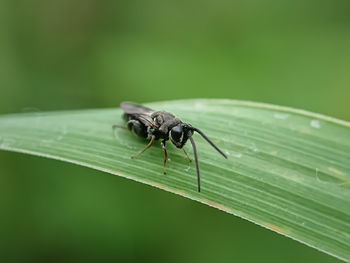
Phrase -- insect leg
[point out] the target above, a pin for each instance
(119, 127)
(114, 127)
(188, 157)
(146, 148)
(165, 155)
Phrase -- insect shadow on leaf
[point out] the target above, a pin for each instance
(164, 126)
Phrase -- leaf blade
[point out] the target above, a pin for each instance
(288, 170)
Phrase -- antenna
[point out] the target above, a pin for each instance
(209, 141)
(196, 159)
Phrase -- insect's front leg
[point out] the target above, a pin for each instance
(188, 157)
(165, 155)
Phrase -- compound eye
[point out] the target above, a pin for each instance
(176, 133)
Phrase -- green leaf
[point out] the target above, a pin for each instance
(287, 170)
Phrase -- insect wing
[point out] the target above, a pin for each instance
(132, 108)
(138, 112)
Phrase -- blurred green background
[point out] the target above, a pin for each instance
(74, 54)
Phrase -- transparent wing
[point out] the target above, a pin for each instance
(132, 108)
(138, 112)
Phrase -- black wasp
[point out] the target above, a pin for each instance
(155, 125)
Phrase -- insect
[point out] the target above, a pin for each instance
(155, 125)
